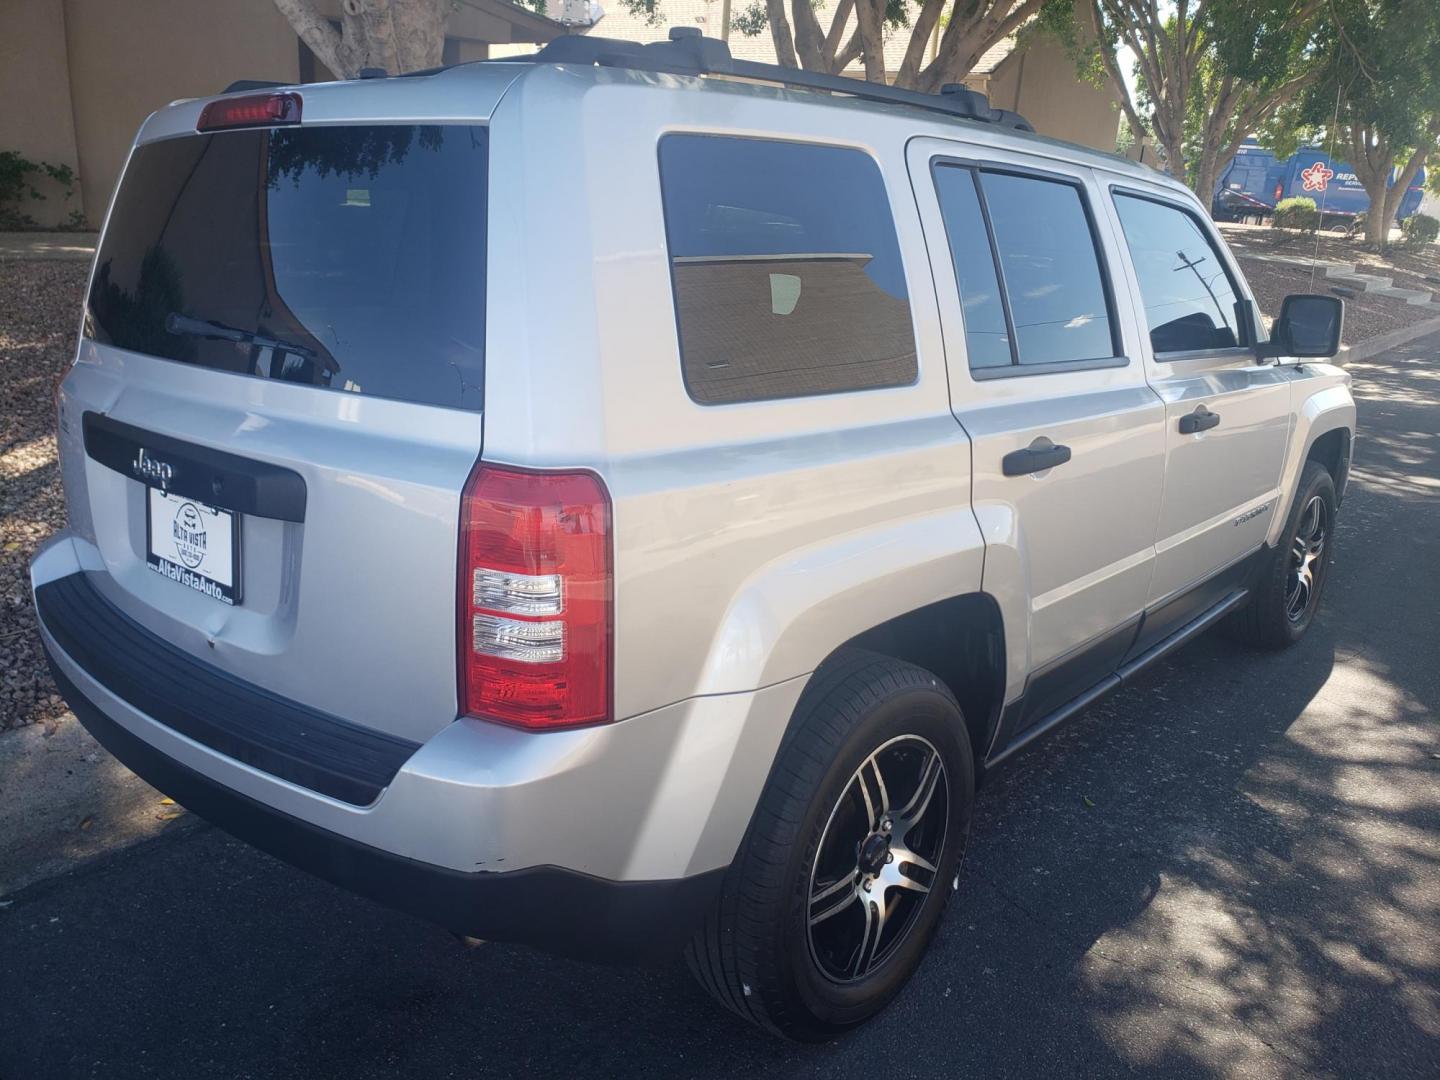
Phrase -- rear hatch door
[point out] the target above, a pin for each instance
(279, 396)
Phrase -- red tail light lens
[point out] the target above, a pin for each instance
(253, 110)
(535, 598)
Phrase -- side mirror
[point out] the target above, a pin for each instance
(1309, 326)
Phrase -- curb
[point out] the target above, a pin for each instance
(1367, 349)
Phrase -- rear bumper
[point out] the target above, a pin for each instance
(556, 909)
(604, 842)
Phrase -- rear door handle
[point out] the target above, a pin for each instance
(1202, 419)
(1040, 455)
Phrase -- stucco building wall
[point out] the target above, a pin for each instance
(37, 118)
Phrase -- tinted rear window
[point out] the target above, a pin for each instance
(787, 272)
(351, 258)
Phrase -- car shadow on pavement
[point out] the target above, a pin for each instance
(1230, 868)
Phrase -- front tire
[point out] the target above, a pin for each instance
(1286, 596)
(850, 858)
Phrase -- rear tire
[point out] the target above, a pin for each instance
(871, 736)
(1290, 585)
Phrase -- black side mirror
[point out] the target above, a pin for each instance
(1309, 326)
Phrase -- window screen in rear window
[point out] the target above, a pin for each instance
(349, 257)
(787, 271)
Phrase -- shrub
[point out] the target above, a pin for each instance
(1301, 215)
(1419, 229)
(17, 185)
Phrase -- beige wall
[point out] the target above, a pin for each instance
(1040, 84)
(123, 67)
(35, 119)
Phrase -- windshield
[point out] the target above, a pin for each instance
(351, 258)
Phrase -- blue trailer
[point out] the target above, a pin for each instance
(1256, 180)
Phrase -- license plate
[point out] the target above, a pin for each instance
(194, 543)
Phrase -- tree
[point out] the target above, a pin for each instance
(1379, 85)
(395, 35)
(857, 29)
(1210, 72)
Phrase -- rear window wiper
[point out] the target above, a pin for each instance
(185, 326)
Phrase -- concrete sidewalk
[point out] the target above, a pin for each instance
(47, 245)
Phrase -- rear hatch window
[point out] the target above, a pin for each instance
(350, 258)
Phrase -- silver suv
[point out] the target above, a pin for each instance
(625, 500)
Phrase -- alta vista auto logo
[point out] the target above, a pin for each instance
(1316, 177)
(188, 532)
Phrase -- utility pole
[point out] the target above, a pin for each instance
(725, 21)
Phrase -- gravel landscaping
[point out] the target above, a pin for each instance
(39, 316)
(1367, 315)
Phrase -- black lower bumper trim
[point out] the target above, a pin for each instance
(554, 909)
(324, 753)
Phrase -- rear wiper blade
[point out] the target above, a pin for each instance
(185, 326)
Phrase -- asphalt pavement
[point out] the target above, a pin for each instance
(1230, 869)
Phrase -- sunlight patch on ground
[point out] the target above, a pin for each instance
(1219, 968)
(27, 457)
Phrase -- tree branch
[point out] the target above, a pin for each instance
(837, 32)
(925, 22)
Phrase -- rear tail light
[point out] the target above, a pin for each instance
(535, 598)
(253, 110)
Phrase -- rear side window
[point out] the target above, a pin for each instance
(351, 258)
(1190, 301)
(786, 269)
(1049, 304)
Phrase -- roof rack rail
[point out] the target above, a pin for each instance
(688, 52)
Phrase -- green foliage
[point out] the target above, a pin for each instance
(1297, 215)
(18, 176)
(1380, 61)
(752, 22)
(1288, 129)
(1419, 230)
(648, 10)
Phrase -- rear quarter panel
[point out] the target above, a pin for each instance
(750, 539)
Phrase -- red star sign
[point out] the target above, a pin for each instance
(1316, 177)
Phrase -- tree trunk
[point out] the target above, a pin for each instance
(323, 39)
(780, 33)
(870, 17)
(396, 35)
(1373, 161)
(809, 39)
(1395, 194)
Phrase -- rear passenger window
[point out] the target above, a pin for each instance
(1190, 301)
(786, 268)
(1049, 302)
(1052, 271)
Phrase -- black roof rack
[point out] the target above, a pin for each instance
(689, 53)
